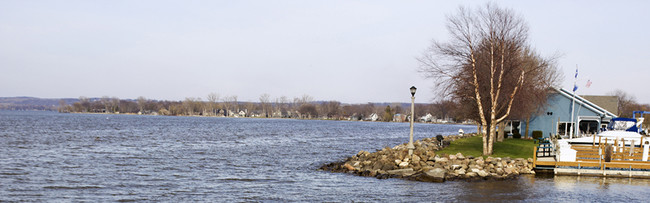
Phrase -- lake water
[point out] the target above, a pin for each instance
(47, 156)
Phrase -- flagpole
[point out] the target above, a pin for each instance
(573, 104)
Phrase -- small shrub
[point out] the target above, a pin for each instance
(537, 134)
(516, 135)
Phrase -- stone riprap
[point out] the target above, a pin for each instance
(426, 165)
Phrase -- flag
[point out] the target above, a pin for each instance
(575, 87)
(588, 83)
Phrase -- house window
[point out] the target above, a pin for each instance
(588, 127)
(512, 126)
(564, 128)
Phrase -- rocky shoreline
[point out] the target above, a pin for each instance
(426, 165)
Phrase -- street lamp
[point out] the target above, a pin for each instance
(410, 145)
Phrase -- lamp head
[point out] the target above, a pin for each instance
(413, 90)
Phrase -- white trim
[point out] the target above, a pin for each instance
(586, 103)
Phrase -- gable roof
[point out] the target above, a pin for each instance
(609, 103)
(585, 103)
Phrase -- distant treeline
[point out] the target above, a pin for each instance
(303, 107)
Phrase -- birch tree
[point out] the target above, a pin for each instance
(481, 63)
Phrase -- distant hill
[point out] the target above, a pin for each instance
(32, 103)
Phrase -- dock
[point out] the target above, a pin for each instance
(597, 159)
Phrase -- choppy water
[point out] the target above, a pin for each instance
(46, 156)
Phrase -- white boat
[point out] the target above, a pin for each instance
(623, 131)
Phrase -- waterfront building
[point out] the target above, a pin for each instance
(555, 117)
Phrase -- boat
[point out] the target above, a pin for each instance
(620, 133)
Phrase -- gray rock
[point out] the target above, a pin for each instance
(443, 159)
(480, 162)
(460, 171)
(434, 175)
(470, 174)
(460, 156)
(482, 173)
(416, 159)
(402, 172)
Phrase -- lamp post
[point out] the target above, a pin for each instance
(410, 145)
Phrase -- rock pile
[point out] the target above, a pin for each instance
(426, 165)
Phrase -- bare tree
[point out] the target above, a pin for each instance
(212, 102)
(62, 106)
(330, 109)
(115, 104)
(141, 103)
(625, 101)
(481, 64)
(230, 104)
(265, 103)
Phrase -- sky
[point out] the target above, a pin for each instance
(349, 51)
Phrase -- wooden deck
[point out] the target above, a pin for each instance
(622, 162)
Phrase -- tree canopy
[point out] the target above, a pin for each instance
(489, 67)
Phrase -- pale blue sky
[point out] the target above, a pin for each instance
(351, 51)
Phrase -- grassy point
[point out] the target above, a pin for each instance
(473, 146)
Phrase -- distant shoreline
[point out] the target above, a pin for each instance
(315, 119)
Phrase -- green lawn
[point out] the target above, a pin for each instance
(513, 148)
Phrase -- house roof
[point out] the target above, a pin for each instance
(609, 103)
(585, 103)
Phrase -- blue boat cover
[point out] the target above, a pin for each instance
(631, 129)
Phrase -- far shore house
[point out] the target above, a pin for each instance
(555, 118)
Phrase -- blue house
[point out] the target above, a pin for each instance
(555, 118)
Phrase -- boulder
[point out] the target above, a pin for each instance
(460, 156)
(499, 171)
(452, 157)
(416, 159)
(402, 172)
(482, 173)
(480, 162)
(348, 166)
(434, 175)
(460, 171)
(403, 164)
(470, 174)
(440, 160)
(387, 166)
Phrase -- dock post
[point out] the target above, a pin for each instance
(593, 143)
(630, 171)
(534, 156)
(645, 151)
(579, 168)
(622, 145)
(631, 149)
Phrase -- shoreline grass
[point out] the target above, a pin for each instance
(473, 146)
